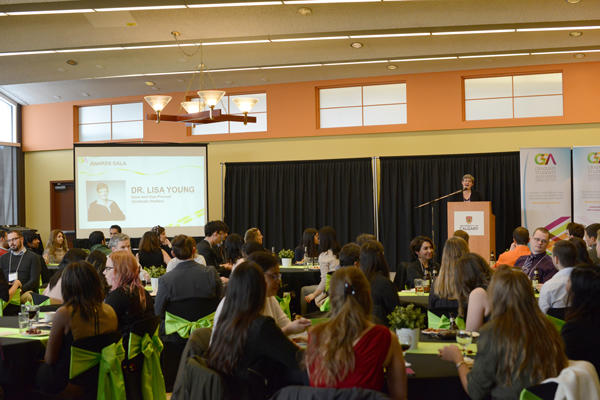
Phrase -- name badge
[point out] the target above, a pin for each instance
(12, 277)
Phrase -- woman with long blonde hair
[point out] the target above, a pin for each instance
(518, 348)
(443, 293)
(56, 248)
(349, 350)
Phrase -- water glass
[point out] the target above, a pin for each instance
(419, 285)
(24, 323)
(426, 285)
(32, 310)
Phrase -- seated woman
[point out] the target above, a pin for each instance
(442, 295)
(98, 261)
(232, 249)
(270, 266)
(82, 315)
(470, 285)
(247, 348)
(164, 241)
(54, 288)
(518, 348)
(329, 250)
(150, 252)
(383, 292)
(580, 333)
(127, 296)
(349, 350)
(56, 248)
(421, 248)
(308, 246)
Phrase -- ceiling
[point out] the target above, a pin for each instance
(44, 78)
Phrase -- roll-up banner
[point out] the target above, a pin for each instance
(546, 190)
(586, 184)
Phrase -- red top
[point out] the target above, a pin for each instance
(3, 251)
(369, 356)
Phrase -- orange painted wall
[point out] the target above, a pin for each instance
(434, 103)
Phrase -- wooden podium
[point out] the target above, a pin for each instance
(477, 220)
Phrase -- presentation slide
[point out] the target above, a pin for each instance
(140, 186)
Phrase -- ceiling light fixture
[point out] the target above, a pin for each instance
(389, 35)
(356, 62)
(236, 42)
(292, 66)
(541, 53)
(494, 55)
(208, 98)
(141, 8)
(149, 83)
(250, 3)
(392, 67)
(46, 12)
(559, 28)
(356, 45)
(575, 33)
(579, 55)
(573, 1)
(71, 62)
(328, 1)
(425, 59)
(302, 39)
(472, 32)
(304, 11)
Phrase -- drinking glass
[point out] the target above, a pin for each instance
(419, 285)
(425, 285)
(24, 323)
(464, 338)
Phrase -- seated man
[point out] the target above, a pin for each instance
(3, 243)
(591, 239)
(119, 241)
(215, 233)
(98, 242)
(20, 264)
(538, 260)
(554, 292)
(518, 248)
(114, 229)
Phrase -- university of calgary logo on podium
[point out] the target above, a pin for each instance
(469, 219)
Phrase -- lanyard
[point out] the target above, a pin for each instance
(10, 262)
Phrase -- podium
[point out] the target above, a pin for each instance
(477, 220)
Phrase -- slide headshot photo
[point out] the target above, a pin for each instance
(103, 207)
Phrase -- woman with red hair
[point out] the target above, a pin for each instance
(128, 297)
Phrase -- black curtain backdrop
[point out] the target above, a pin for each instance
(409, 181)
(284, 198)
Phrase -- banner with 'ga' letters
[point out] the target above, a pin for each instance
(546, 190)
(586, 184)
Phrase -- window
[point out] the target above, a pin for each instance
(515, 96)
(8, 121)
(111, 122)
(363, 105)
(259, 111)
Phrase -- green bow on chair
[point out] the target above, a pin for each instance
(326, 306)
(284, 303)
(111, 385)
(558, 323)
(443, 322)
(153, 383)
(527, 395)
(15, 299)
(183, 327)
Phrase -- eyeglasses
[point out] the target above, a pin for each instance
(275, 277)
(539, 240)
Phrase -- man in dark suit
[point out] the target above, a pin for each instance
(188, 280)
(215, 233)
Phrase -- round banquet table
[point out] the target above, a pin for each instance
(20, 357)
(293, 278)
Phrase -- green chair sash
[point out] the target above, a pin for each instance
(558, 323)
(326, 306)
(183, 327)
(111, 385)
(527, 395)
(284, 303)
(16, 300)
(443, 322)
(153, 383)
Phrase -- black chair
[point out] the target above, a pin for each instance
(132, 368)
(544, 391)
(312, 393)
(559, 313)
(86, 384)
(400, 278)
(198, 382)
(192, 310)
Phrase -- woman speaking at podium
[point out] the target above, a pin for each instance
(468, 194)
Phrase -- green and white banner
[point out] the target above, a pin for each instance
(546, 190)
(586, 184)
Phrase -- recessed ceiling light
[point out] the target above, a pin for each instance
(356, 45)
(149, 83)
(575, 33)
(131, 24)
(573, 1)
(579, 55)
(305, 11)
(71, 62)
(392, 67)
